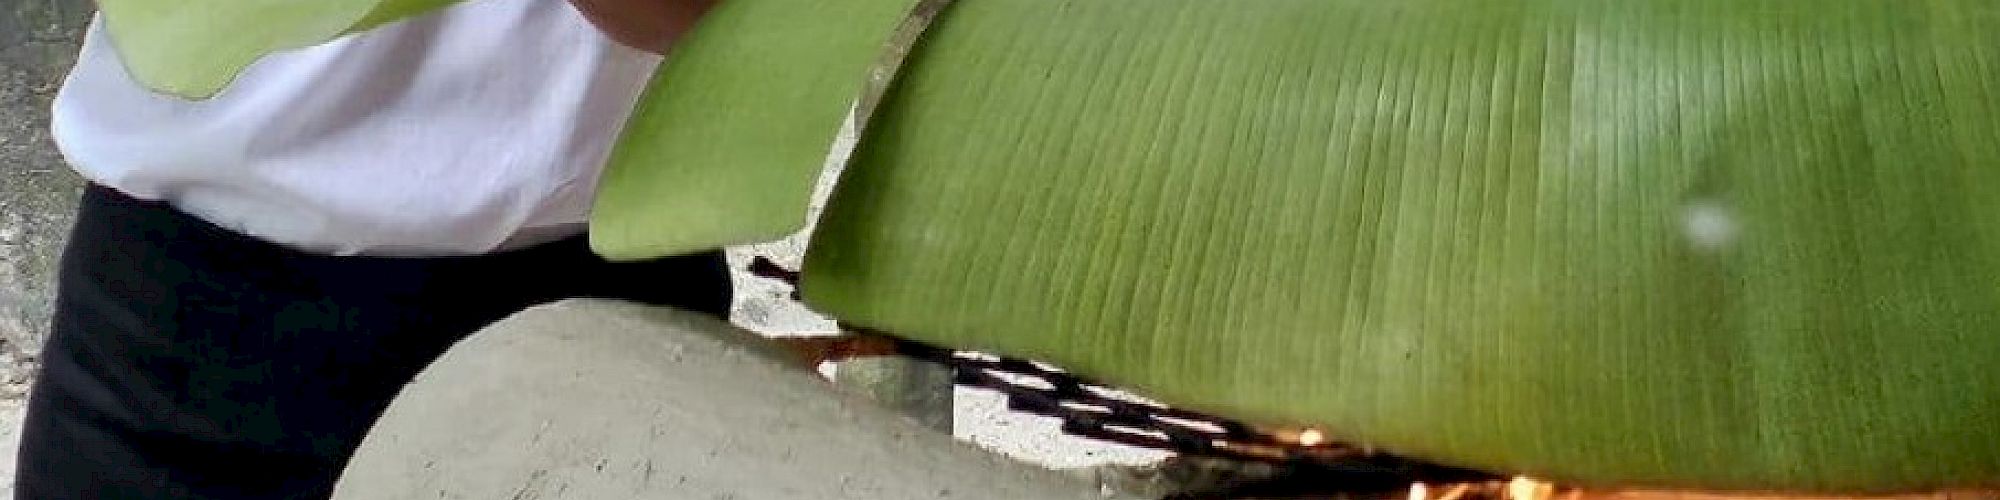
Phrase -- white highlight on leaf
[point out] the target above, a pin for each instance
(1709, 225)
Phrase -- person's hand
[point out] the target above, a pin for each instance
(651, 25)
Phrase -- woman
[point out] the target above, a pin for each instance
(253, 277)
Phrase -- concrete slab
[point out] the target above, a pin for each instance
(598, 399)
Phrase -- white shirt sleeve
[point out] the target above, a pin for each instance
(462, 132)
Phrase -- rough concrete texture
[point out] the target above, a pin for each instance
(919, 389)
(599, 399)
(37, 192)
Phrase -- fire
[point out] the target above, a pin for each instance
(1311, 437)
(1520, 488)
(1523, 488)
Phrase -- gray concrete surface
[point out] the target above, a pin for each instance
(919, 389)
(37, 45)
(37, 192)
(600, 399)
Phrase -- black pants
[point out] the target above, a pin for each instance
(188, 361)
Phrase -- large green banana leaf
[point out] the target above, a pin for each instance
(1719, 244)
(194, 48)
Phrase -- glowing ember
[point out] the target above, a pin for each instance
(1523, 488)
(1520, 488)
(1456, 492)
(1311, 437)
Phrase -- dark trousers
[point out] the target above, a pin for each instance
(188, 361)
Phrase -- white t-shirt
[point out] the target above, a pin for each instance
(478, 128)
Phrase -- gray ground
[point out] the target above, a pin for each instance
(37, 196)
(37, 45)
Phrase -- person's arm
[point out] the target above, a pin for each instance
(652, 25)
